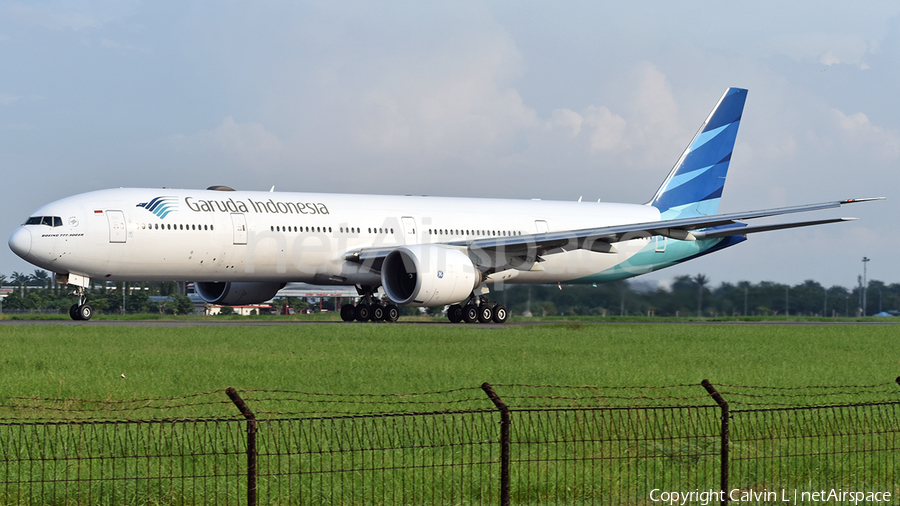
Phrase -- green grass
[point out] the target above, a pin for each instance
(88, 361)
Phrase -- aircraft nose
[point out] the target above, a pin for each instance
(20, 242)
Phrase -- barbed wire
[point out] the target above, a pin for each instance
(279, 402)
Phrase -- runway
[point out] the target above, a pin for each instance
(282, 323)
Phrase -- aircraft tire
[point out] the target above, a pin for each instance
(73, 312)
(347, 313)
(470, 313)
(362, 313)
(391, 313)
(500, 314)
(85, 312)
(455, 313)
(377, 313)
(485, 313)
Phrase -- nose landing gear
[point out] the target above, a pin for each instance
(80, 310)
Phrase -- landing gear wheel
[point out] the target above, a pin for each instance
(391, 313)
(85, 312)
(500, 314)
(485, 313)
(455, 313)
(73, 312)
(377, 313)
(470, 313)
(348, 312)
(363, 313)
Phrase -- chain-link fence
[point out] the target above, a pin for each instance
(506, 444)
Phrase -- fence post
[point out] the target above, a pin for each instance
(723, 453)
(504, 442)
(251, 443)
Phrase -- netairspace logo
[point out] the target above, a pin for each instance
(784, 496)
(161, 206)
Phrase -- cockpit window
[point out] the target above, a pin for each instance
(50, 221)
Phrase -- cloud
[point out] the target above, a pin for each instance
(50, 16)
(462, 101)
(111, 44)
(6, 99)
(245, 145)
(606, 130)
(856, 131)
(827, 48)
(643, 129)
(62, 15)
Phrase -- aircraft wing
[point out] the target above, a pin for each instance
(492, 254)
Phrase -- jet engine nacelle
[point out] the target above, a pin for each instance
(237, 293)
(428, 275)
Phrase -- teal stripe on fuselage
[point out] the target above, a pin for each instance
(648, 259)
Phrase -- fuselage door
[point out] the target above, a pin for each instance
(239, 221)
(409, 231)
(541, 226)
(117, 230)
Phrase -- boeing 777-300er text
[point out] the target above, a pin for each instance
(241, 247)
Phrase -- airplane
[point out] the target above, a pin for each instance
(242, 247)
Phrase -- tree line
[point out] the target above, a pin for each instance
(695, 296)
(687, 296)
(42, 294)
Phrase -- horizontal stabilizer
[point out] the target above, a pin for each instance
(730, 231)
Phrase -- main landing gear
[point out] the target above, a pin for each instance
(370, 308)
(80, 311)
(477, 310)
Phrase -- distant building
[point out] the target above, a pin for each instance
(311, 293)
(241, 310)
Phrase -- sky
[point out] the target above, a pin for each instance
(507, 99)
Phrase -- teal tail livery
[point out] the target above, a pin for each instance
(242, 247)
(694, 186)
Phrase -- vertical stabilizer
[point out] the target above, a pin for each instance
(694, 186)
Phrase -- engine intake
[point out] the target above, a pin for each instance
(237, 293)
(427, 275)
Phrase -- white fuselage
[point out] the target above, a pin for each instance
(207, 235)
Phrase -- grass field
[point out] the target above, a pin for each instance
(88, 361)
(560, 458)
